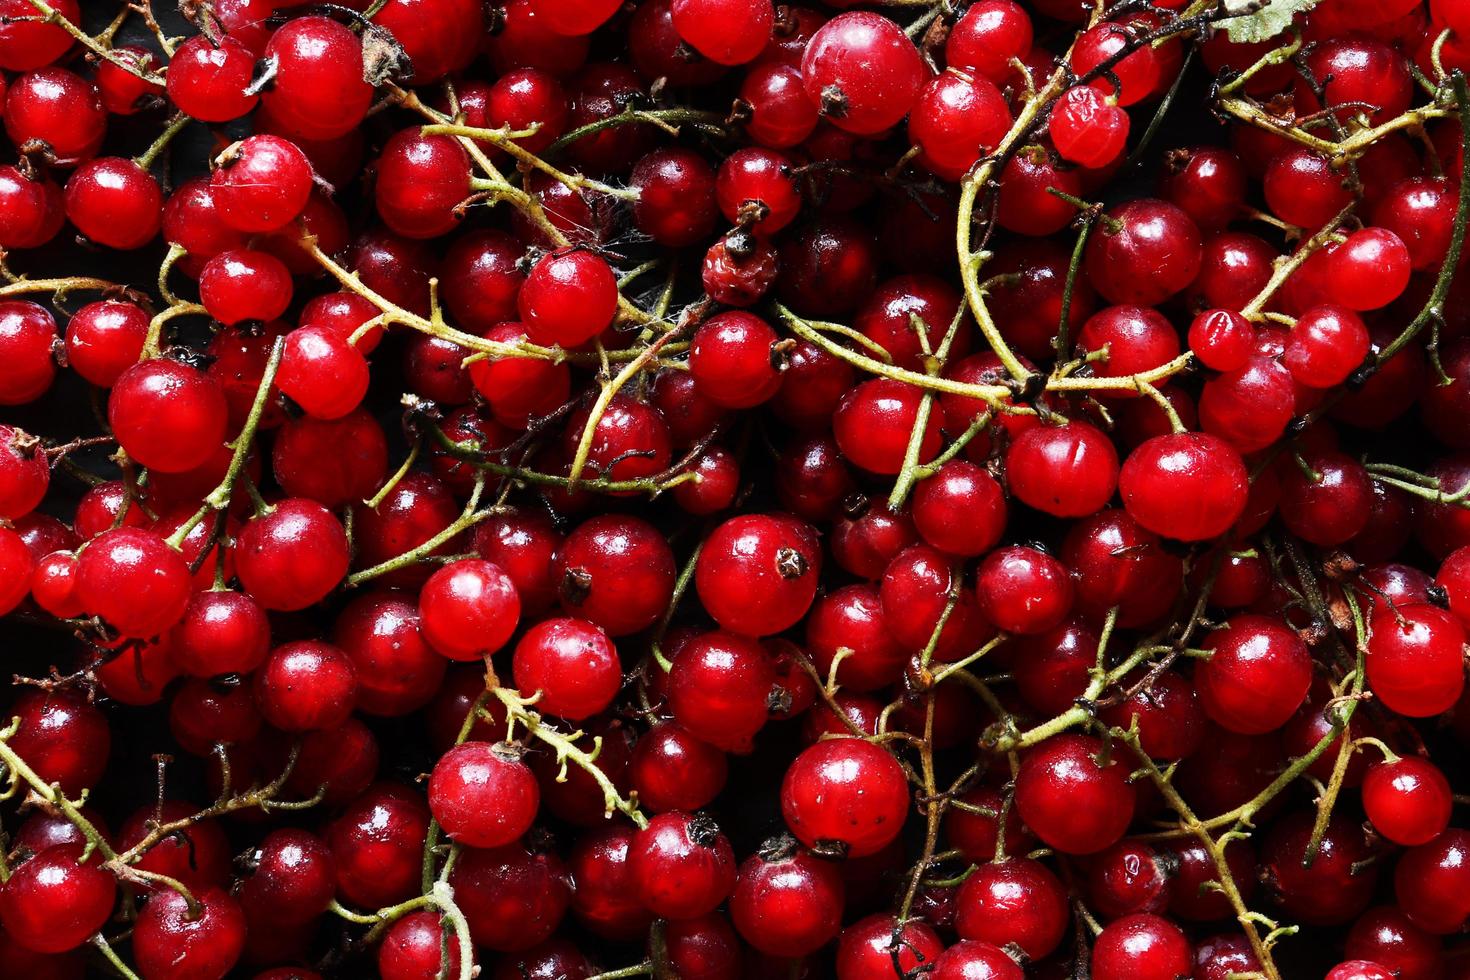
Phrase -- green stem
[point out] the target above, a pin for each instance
(91, 44)
(667, 119)
(518, 710)
(1286, 265)
(174, 127)
(467, 519)
(1434, 308)
(111, 956)
(219, 498)
(51, 793)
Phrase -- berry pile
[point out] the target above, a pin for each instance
(717, 489)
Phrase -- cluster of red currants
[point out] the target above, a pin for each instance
(718, 489)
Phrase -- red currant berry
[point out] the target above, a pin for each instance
(55, 901)
(211, 81)
(874, 421)
(318, 92)
(306, 686)
(757, 574)
(134, 581)
(483, 795)
(863, 71)
(1087, 128)
(1016, 901)
(1067, 470)
(682, 866)
(1023, 590)
(787, 902)
(1190, 486)
(846, 791)
(291, 557)
(27, 336)
(1415, 659)
(1151, 251)
(114, 202)
(1141, 947)
(720, 689)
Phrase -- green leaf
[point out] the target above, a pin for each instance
(1262, 25)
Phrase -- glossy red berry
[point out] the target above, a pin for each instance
(972, 959)
(210, 81)
(1023, 590)
(222, 632)
(676, 203)
(846, 791)
(263, 184)
(1369, 270)
(114, 202)
(987, 37)
(134, 581)
(1257, 674)
(1133, 76)
(468, 608)
(733, 360)
(1223, 340)
(166, 415)
(376, 843)
(291, 557)
(319, 92)
(483, 795)
(1407, 800)
(573, 665)
(960, 509)
(1152, 252)
(294, 877)
(1326, 344)
(1415, 659)
(1075, 798)
(720, 689)
(617, 572)
(786, 901)
(123, 92)
(874, 420)
(26, 42)
(54, 902)
(757, 574)
(245, 284)
(27, 335)
(104, 339)
(24, 473)
(728, 32)
(1087, 128)
(673, 770)
(881, 946)
(1017, 901)
(513, 897)
(58, 109)
(174, 941)
(1067, 470)
(1190, 486)
(956, 120)
(862, 71)
(306, 686)
(1141, 947)
(66, 739)
(413, 947)
(33, 209)
(568, 298)
(782, 114)
(682, 866)
(421, 182)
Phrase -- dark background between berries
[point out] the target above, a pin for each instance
(748, 807)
